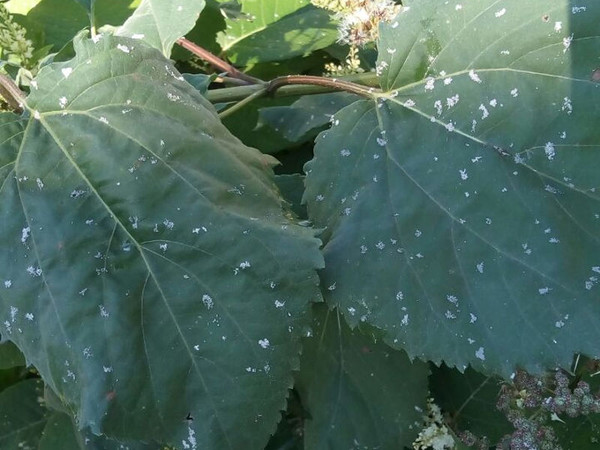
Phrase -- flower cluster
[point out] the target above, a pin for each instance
(358, 26)
(578, 402)
(532, 404)
(530, 433)
(529, 392)
(359, 19)
(470, 440)
(532, 430)
(338, 6)
(435, 433)
(352, 64)
(12, 38)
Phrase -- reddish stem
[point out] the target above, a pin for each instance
(217, 62)
(331, 83)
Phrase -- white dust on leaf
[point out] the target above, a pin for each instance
(480, 353)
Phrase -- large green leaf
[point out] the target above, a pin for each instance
(359, 394)
(160, 23)
(148, 270)
(460, 204)
(276, 30)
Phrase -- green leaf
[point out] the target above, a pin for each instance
(305, 116)
(289, 430)
(460, 205)
(254, 17)
(161, 23)
(20, 6)
(151, 266)
(61, 20)
(245, 124)
(26, 424)
(199, 81)
(10, 356)
(274, 31)
(359, 394)
(22, 418)
(87, 4)
(313, 64)
(204, 33)
(292, 188)
(60, 433)
(582, 433)
(469, 401)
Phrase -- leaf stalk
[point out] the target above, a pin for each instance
(217, 62)
(259, 93)
(331, 83)
(366, 83)
(11, 93)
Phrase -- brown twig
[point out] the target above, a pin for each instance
(331, 83)
(217, 62)
(11, 93)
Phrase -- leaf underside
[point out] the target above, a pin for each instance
(151, 274)
(460, 205)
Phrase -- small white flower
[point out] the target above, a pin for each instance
(359, 19)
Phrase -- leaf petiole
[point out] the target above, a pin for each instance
(11, 93)
(217, 62)
(261, 92)
(365, 84)
(330, 83)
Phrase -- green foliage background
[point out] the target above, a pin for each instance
(165, 283)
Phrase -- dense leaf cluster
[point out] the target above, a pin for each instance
(421, 270)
